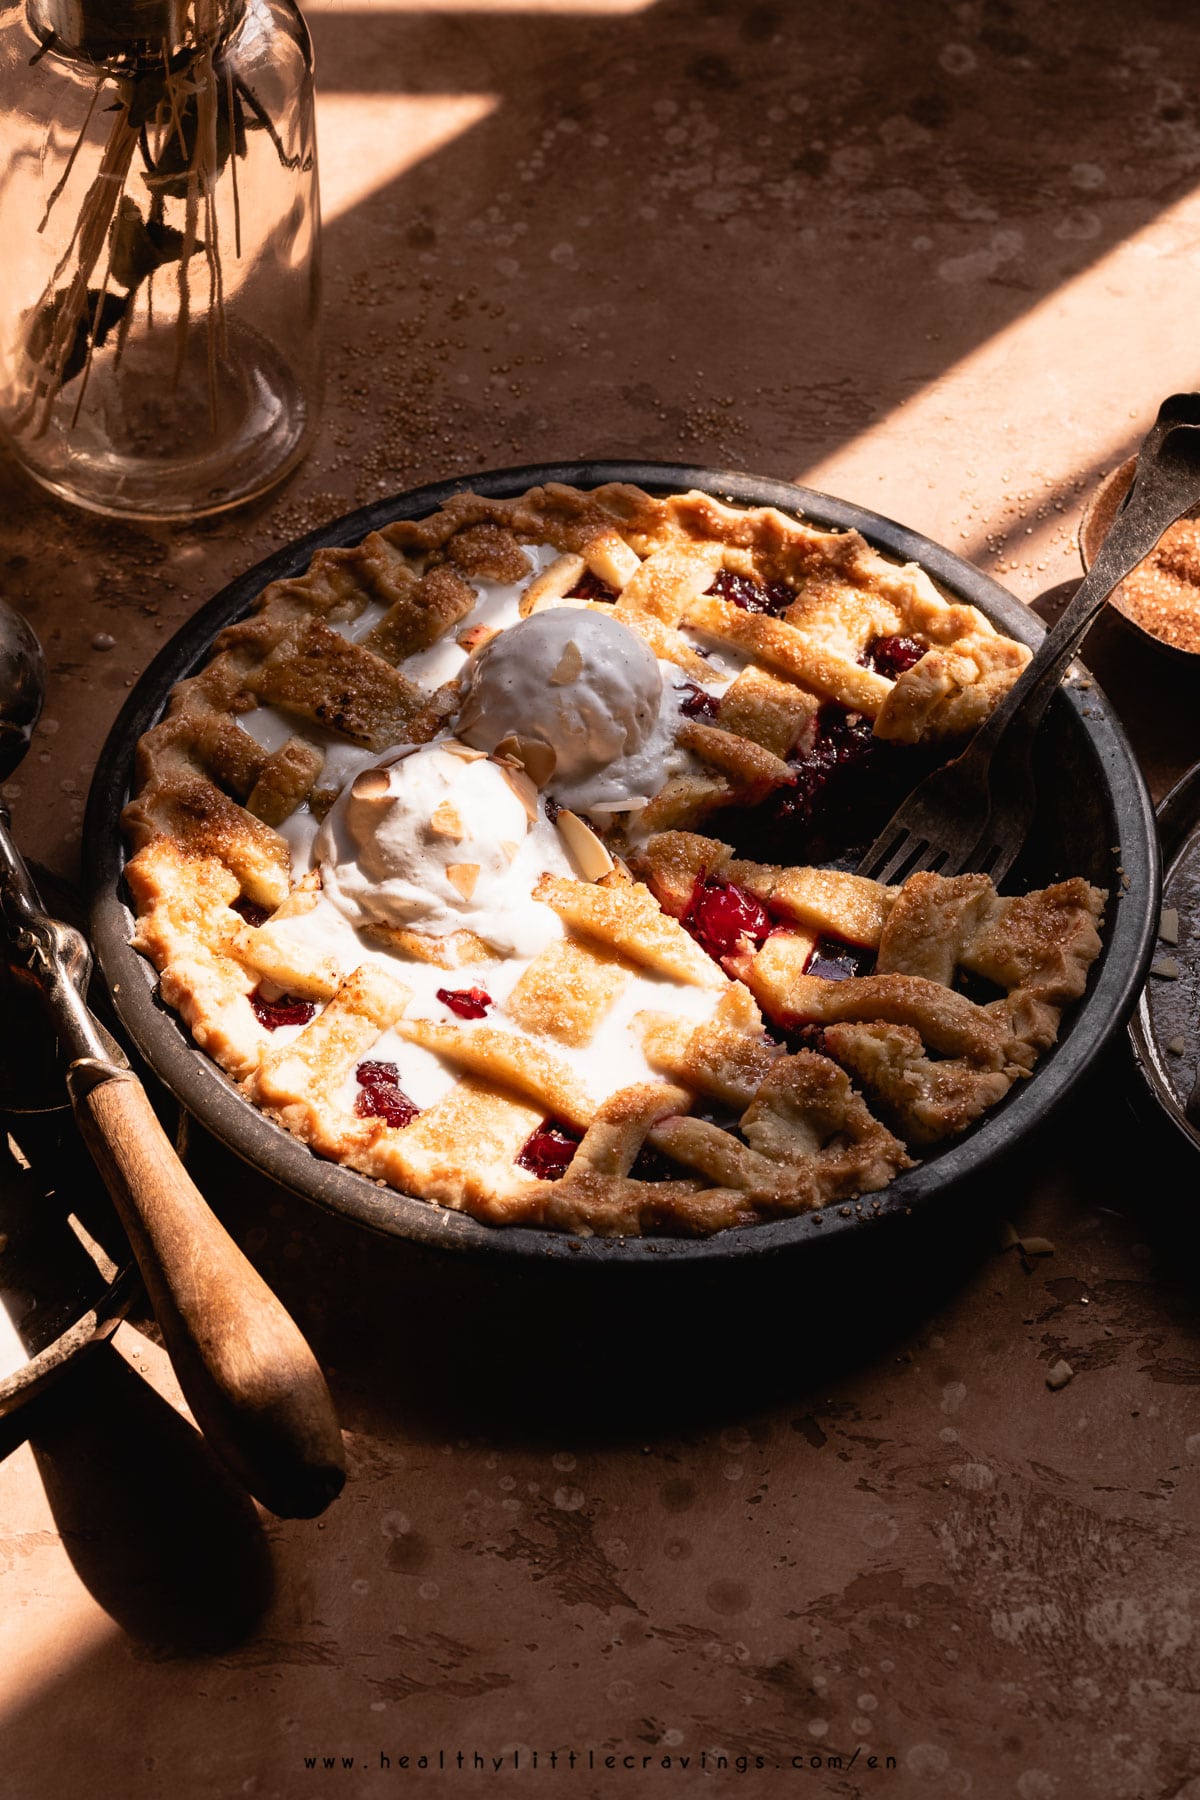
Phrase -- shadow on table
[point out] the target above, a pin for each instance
(161, 1536)
(426, 1345)
(677, 229)
(424, 1348)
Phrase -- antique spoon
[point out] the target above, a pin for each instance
(975, 813)
(247, 1373)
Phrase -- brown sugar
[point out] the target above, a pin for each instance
(1162, 595)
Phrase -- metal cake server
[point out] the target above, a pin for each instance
(250, 1378)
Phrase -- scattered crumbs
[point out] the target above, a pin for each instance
(1166, 966)
(1168, 925)
(1009, 1238)
(1177, 1046)
(1058, 1375)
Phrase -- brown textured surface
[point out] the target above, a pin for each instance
(939, 260)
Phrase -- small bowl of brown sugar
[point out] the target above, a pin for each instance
(1161, 598)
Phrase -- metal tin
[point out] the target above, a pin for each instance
(1095, 819)
(1165, 1028)
(1094, 526)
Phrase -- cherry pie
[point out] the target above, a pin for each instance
(486, 855)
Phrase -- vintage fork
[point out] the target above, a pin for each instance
(975, 812)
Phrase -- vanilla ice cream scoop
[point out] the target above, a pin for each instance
(437, 841)
(585, 685)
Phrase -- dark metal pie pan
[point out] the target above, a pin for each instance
(1095, 819)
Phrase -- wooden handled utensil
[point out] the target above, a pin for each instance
(247, 1373)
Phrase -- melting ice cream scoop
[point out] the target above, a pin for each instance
(438, 842)
(586, 686)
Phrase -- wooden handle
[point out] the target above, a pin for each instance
(251, 1380)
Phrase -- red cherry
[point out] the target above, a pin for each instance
(696, 704)
(382, 1096)
(468, 1003)
(251, 911)
(751, 595)
(287, 1010)
(891, 656)
(548, 1151)
(834, 960)
(721, 915)
(590, 587)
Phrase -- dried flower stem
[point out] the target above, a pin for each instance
(181, 106)
(63, 179)
(92, 233)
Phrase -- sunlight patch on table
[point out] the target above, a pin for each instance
(1066, 389)
(48, 1636)
(366, 141)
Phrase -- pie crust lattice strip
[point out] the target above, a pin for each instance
(696, 1040)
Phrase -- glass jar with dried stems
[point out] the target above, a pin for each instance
(159, 278)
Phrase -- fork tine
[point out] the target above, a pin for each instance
(887, 856)
(903, 856)
(991, 858)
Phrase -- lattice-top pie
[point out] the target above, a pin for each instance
(483, 856)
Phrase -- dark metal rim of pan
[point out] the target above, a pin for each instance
(1123, 838)
(1178, 818)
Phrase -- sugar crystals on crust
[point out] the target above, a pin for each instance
(692, 1040)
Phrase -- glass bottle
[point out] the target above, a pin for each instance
(159, 249)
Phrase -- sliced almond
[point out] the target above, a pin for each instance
(446, 821)
(467, 752)
(509, 848)
(567, 668)
(523, 788)
(371, 784)
(587, 852)
(550, 587)
(475, 637)
(463, 876)
(531, 754)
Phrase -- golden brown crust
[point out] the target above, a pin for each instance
(324, 649)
